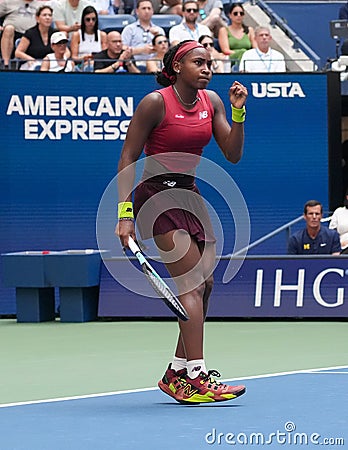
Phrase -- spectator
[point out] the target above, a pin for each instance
(343, 12)
(101, 6)
(19, 16)
(211, 14)
(262, 58)
(236, 38)
(57, 61)
(188, 28)
(127, 5)
(218, 64)
(339, 222)
(167, 7)
(139, 35)
(67, 14)
(114, 59)
(314, 239)
(88, 40)
(160, 45)
(35, 44)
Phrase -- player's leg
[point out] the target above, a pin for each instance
(191, 266)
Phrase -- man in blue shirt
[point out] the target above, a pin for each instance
(314, 239)
(138, 35)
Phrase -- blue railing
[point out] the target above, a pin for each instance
(298, 43)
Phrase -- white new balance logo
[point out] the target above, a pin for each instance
(203, 114)
(179, 116)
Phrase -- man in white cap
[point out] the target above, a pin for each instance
(58, 61)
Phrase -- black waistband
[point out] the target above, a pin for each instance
(170, 180)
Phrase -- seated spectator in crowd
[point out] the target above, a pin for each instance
(57, 61)
(188, 29)
(35, 44)
(115, 59)
(220, 62)
(212, 15)
(315, 238)
(67, 15)
(167, 7)
(88, 40)
(101, 6)
(18, 16)
(262, 58)
(139, 35)
(128, 6)
(339, 222)
(236, 38)
(160, 45)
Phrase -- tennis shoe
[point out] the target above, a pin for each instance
(172, 381)
(205, 389)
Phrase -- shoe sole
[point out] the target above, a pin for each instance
(196, 399)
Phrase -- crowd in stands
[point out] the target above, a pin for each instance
(65, 35)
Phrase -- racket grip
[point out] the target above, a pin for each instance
(133, 246)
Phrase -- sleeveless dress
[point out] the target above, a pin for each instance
(239, 45)
(167, 197)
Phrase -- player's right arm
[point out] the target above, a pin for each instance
(147, 116)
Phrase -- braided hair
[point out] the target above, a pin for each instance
(168, 76)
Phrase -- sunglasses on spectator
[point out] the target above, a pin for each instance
(164, 41)
(90, 19)
(208, 44)
(194, 10)
(238, 13)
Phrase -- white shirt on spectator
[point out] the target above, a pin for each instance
(64, 12)
(254, 60)
(182, 32)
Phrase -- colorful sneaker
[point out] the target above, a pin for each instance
(172, 381)
(204, 389)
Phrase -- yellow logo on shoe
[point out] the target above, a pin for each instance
(189, 390)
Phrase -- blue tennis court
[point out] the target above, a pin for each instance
(283, 410)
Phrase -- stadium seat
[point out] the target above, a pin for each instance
(166, 21)
(114, 22)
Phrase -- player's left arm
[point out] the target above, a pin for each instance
(229, 138)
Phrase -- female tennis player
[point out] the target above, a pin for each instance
(172, 125)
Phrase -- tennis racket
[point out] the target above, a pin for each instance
(160, 287)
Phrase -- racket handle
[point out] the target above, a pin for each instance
(133, 246)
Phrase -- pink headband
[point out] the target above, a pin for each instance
(185, 48)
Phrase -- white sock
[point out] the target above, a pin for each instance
(179, 363)
(195, 367)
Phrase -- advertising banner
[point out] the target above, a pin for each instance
(279, 287)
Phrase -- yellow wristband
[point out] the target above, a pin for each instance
(238, 114)
(125, 210)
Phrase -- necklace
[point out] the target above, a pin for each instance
(181, 100)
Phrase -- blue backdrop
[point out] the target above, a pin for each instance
(62, 135)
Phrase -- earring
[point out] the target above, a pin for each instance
(178, 71)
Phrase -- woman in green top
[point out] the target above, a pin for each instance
(236, 38)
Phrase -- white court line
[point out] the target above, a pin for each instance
(131, 391)
(327, 372)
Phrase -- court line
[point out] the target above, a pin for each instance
(131, 391)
